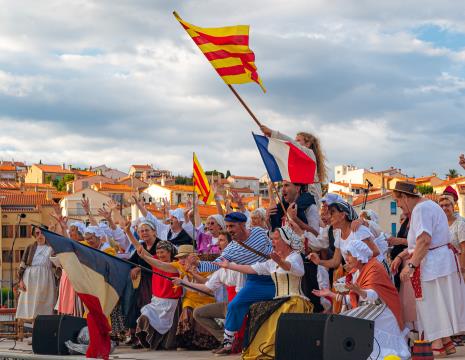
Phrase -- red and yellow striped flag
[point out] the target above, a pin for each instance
(201, 185)
(227, 49)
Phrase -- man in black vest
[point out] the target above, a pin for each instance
(301, 208)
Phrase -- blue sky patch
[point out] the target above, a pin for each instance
(441, 37)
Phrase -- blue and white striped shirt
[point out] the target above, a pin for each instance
(258, 240)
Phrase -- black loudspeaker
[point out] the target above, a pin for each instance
(51, 331)
(323, 337)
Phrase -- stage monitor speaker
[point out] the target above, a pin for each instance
(51, 331)
(323, 337)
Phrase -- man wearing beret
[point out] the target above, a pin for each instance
(256, 247)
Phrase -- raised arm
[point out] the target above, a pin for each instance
(144, 254)
(245, 269)
(86, 206)
(140, 205)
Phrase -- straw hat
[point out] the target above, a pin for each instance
(407, 187)
(185, 250)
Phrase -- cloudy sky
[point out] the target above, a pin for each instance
(119, 82)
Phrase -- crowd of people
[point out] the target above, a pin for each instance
(235, 274)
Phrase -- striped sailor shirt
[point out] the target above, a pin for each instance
(258, 240)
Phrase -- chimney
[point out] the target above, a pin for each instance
(63, 166)
(70, 167)
(162, 180)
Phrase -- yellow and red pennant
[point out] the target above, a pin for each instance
(227, 50)
(201, 185)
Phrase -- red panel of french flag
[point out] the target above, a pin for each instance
(285, 161)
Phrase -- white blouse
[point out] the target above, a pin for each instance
(362, 233)
(427, 217)
(268, 267)
(457, 232)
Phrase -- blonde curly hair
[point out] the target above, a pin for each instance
(313, 143)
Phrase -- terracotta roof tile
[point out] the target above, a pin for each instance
(359, 199)
(142, 167)
(112, 187)
(7, 168)
(58, 169)
(186, 188)
(452, 181)
(24, 199)
(84, 172)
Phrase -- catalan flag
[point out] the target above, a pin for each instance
(201, 185)
(227, 49)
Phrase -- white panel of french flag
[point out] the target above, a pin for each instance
(285, 161)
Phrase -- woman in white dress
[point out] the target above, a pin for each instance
(456, 223)
(373, 296)
(36, 280)
(433, 269)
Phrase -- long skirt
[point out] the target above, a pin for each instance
(263, 319)
(441, 312)
(39, 297)
(68, 302)
(150, 338)
(191, 335)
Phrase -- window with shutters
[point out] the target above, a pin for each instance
(6, 256)
(4, 231)
(22, 231)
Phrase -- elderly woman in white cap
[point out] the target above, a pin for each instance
(373, 296)
(286, 269)
(207, 235)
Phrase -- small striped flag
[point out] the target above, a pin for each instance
(201, 185)
(227, 50)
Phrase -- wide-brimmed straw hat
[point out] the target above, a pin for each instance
(407, 187)
(185, 250)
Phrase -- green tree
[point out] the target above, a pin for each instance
(214, 173)
(425, 189)
(182, 180)
(452, 174)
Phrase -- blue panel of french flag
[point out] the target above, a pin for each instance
(285, 161)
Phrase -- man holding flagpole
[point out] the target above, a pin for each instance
(248, 247)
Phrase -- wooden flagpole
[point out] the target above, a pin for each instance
(193, 203)
(244, 105)
(279, 199)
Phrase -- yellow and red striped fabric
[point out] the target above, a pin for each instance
(201, 185)
(227, 50)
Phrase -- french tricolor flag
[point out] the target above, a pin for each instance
(285, 161)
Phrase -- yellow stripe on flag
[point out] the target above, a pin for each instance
(201, 185)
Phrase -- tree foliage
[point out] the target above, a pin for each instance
(425, 189)
(452, 174)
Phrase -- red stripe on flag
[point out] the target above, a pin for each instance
(223, 54)
(300, 166)
(99, 329)
(231, 70)
(199, 178)
(223, 40)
